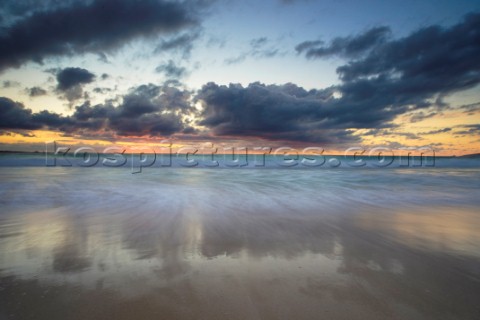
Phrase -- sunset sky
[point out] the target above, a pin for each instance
(334, 74)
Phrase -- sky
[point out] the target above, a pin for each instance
(300, 73)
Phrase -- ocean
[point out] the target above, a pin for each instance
(258, 241)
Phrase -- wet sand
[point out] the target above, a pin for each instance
(56, 264)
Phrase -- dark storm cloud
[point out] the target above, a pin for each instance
(171, 70)
(14, 115)
(293, 113)
(70, 77)
(345, 46)
(87, 26)
(36, 92)
(14, 9)
(391, 77)
(286, 112)
(49, 119)
(432, 59)
(147, 110)
(70, 82)
(385, 78)
(382, 79)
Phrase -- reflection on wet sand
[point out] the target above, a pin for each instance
(151, 263)
(447, 230)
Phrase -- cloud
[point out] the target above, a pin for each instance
(470, 129)
(471, 108)
(36, 92)
(420, 116)
(23, 133)
(349, 47)
(387, 132)
(292, 113)
(258, 42)
(14, 115)
(274, 112)
(101, 90)
(147, 110)
(390, 77)
(10, 84)
(436, 131)
(432, 59)
(71, 77)
(171, 70)
(258, 49)
(96, 26)
(182, 43)
(49, 119)
(70, 82)
(380, 80)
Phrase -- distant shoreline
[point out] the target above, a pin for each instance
(468, 156)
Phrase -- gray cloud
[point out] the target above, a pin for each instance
(147, 110)
(70, 77)
(10, 84)
(437, 131)
(179, 44)
(94, 26)
(70, 82)
(420, 116)
(396, 76)
(432, 59)
(349, 47)
(286, 112)
(258, 42)
(14, 115)
(389, 132)
(259, 48)
(381, 80)
(384, 79)
(470, 129)
(36, 92)
(171, 70)
(471, 108)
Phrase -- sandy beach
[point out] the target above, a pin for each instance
(195, 249)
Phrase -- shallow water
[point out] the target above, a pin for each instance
(179, 243)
